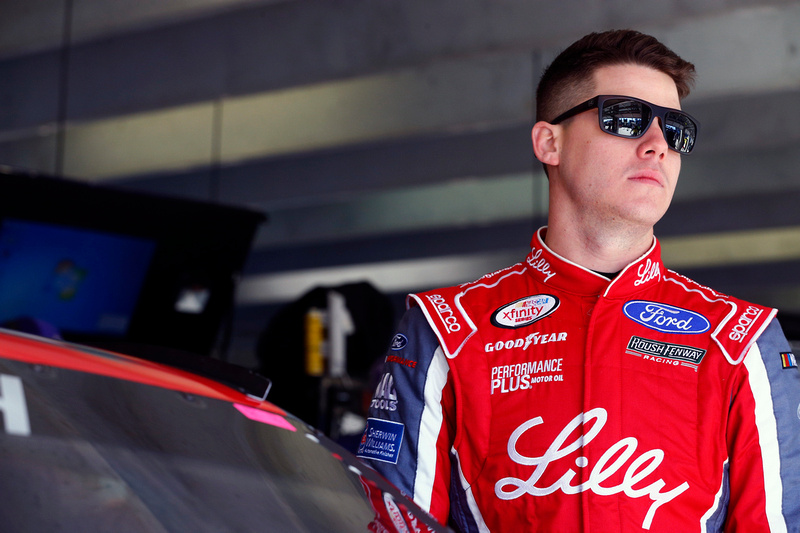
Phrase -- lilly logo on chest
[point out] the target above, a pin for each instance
(609, 463)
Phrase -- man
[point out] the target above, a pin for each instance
(588, 388)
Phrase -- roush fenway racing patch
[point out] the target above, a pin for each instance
(665, 352)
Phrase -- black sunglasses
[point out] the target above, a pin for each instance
(625, 116)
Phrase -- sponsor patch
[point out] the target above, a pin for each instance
(445, 312)
(666, 318)
(648, 271)
(532, 339)
(744, 323)
(537, 262)
(525, 311)
(523, 376)
(665, 352)
(576, 435)
(381, 441)
(788, 360)
(410, 363)
(385, 397)
(399, 342)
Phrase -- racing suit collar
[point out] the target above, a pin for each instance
(549, 267)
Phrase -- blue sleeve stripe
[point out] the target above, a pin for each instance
(783, 386)
(463, 507)
(410, 384)
(767, 438)
(714, 519)
(431, 423)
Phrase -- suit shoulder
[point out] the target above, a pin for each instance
(735, 323)
(452, 311)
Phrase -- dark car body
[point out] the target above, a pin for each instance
(97, 441)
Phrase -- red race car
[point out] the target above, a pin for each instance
(98, 441)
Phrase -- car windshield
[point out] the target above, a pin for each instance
(106, 454)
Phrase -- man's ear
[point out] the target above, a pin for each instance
(546, 142)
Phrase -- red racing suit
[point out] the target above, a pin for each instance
(546, 397)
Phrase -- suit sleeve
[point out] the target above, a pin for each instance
(411, 420)
(764, 439)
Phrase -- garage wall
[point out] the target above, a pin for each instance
(389, 141)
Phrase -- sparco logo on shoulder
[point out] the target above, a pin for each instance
(525, 311)
(445, 312)
(745, 322)
(665, 318)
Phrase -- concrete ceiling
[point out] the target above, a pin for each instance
(364, 119)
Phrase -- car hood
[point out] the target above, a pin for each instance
(98, 441)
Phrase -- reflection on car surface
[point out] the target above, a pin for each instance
(96, 441)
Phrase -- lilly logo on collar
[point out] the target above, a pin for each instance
(665, 318)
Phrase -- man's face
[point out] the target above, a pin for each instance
(608, 179)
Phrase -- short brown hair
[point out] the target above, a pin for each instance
(571, 72)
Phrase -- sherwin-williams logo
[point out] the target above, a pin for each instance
(525, 311)
(381, 441)
(666, 318)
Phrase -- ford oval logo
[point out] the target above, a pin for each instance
(666, 318)
(399, 341)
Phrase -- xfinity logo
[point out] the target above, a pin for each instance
(525, 311)
(666, 318)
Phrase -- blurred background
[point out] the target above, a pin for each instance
(376, 147)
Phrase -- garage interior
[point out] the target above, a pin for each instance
(386, 144)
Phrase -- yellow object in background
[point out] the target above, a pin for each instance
(314, 340)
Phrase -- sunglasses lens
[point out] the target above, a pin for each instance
(680, 132)
(629, 118)
(626, 118)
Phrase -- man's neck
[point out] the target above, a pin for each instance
(599, 249)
